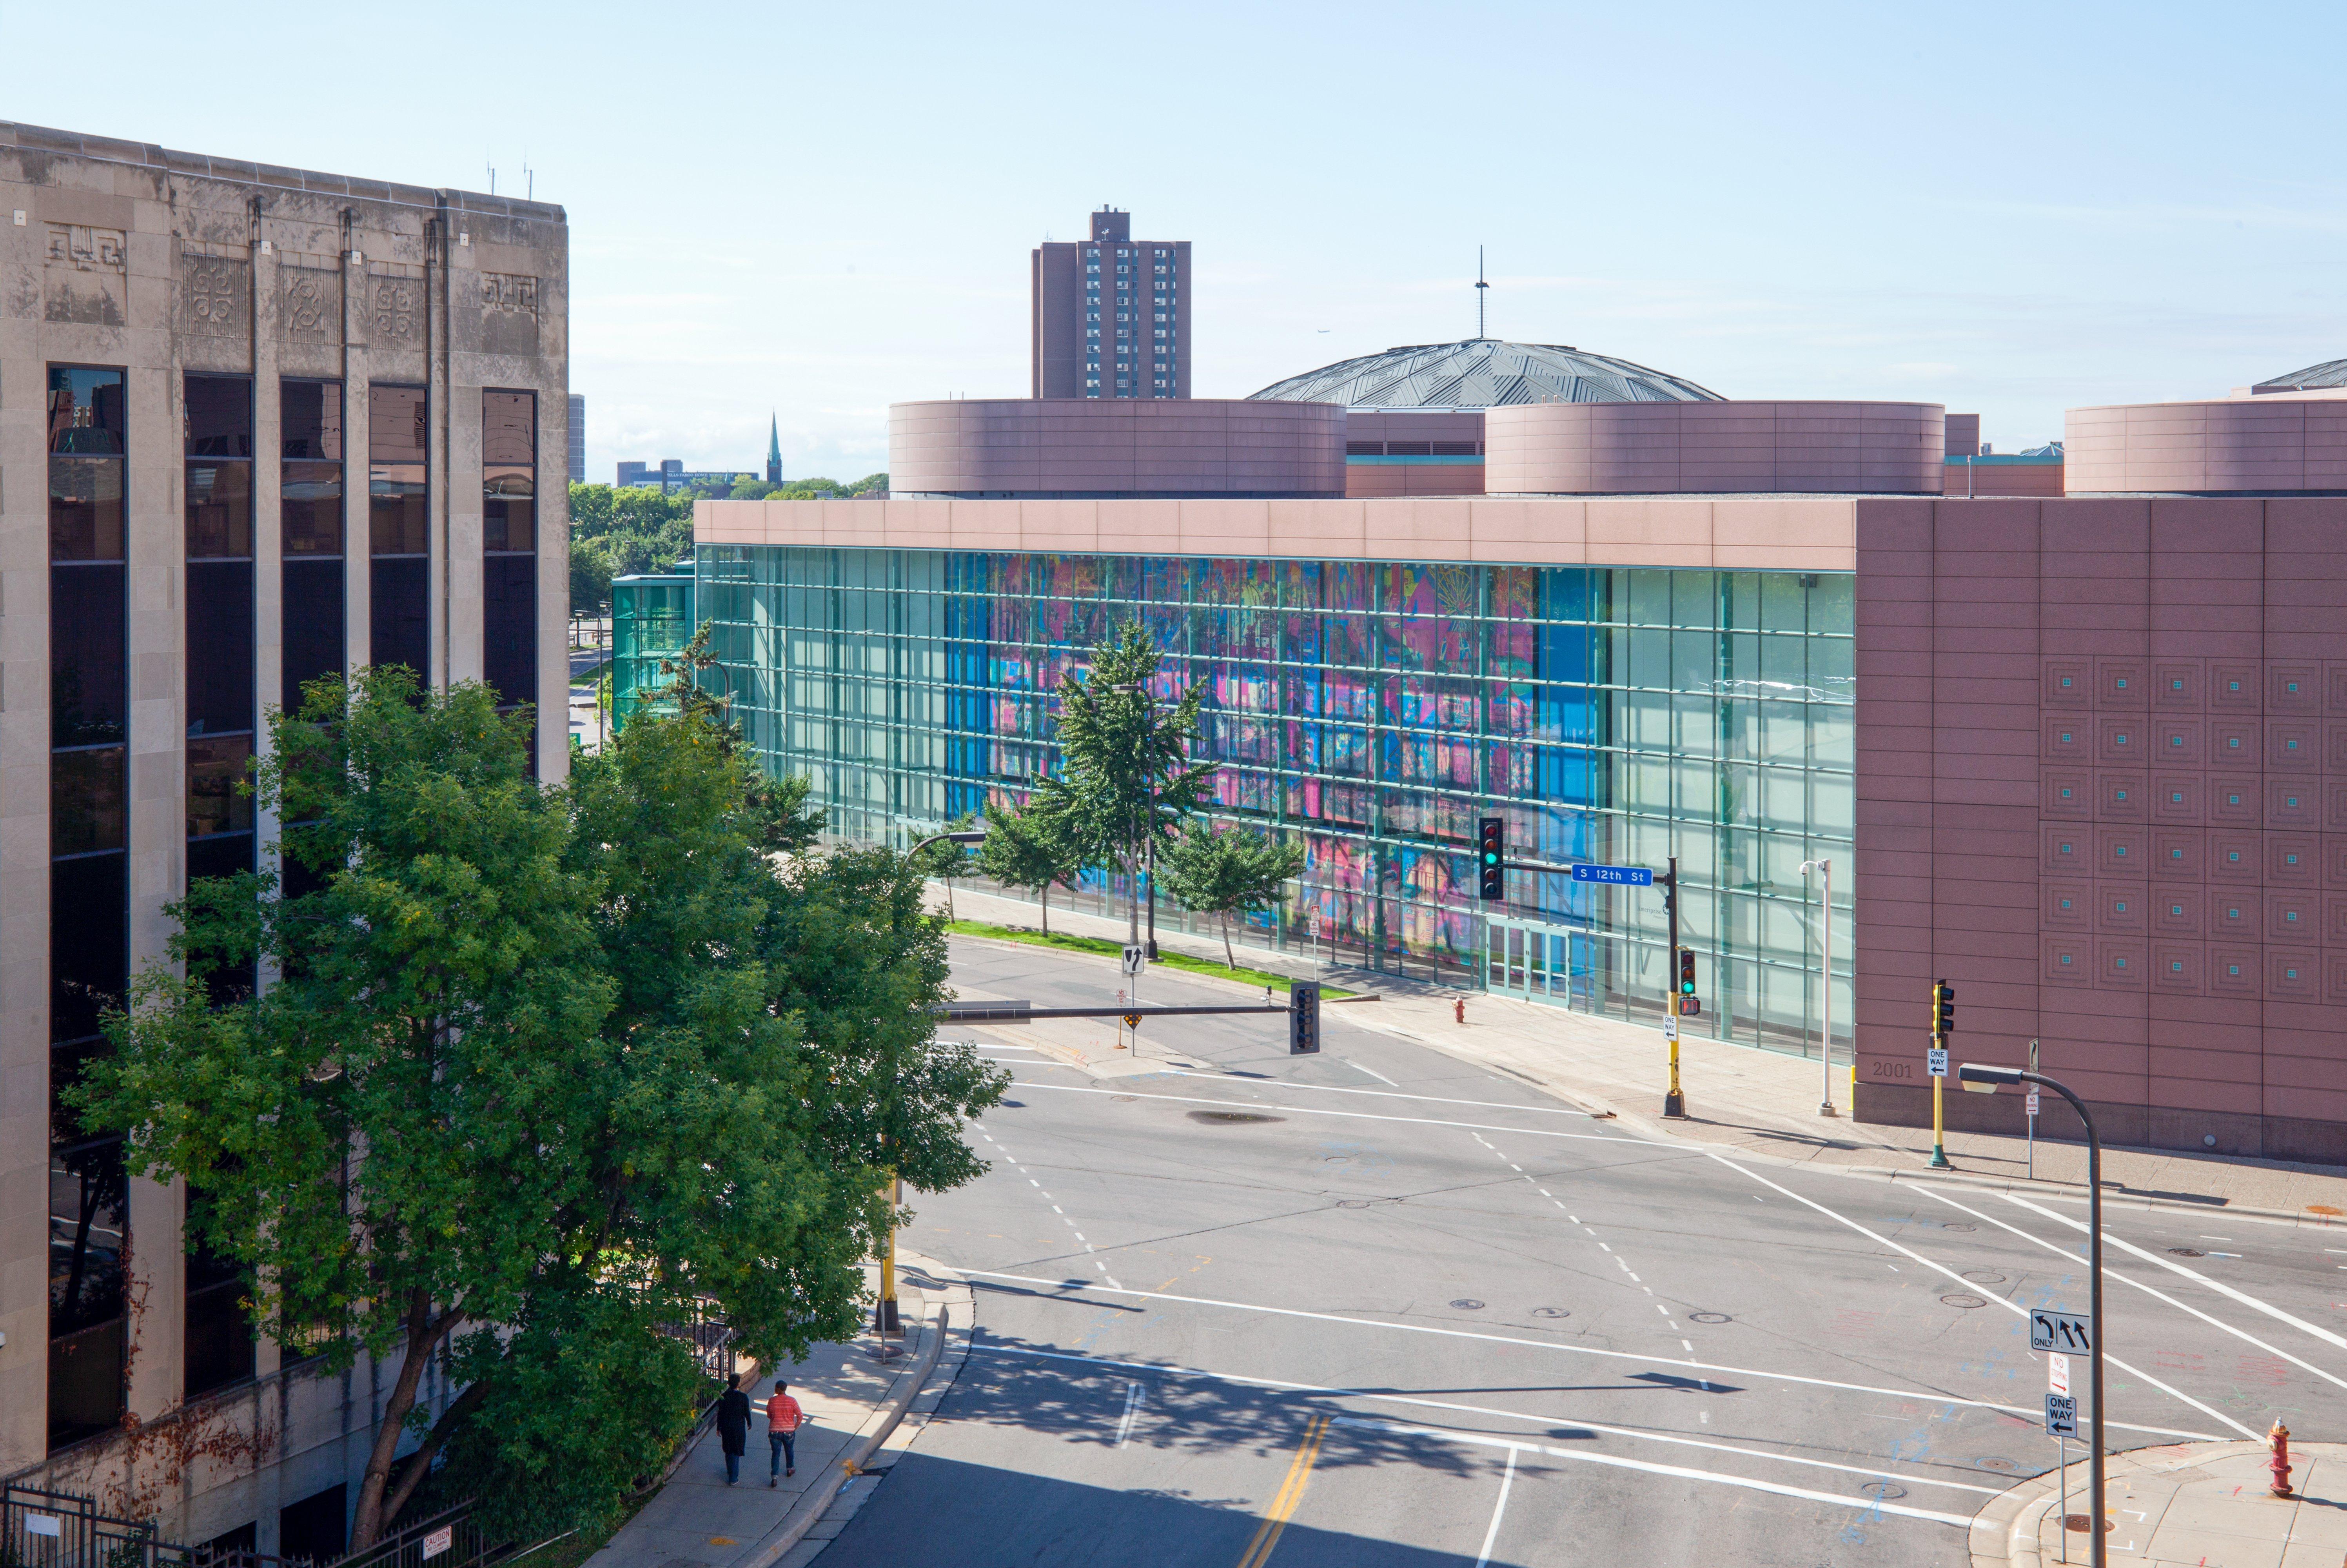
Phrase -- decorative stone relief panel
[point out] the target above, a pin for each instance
(85, 279)
(394, 305)
(310, 302)
(508, 314)
(215, 294)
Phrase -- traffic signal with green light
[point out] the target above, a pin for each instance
(1490, 857)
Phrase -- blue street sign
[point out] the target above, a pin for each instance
(1621, 876)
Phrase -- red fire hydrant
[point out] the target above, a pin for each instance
(2279, 1441)
(1459, 1009)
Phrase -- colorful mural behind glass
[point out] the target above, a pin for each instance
(1375, 710)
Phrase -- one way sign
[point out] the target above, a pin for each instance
(2063, 1331)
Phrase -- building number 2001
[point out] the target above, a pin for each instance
(1894, 1070)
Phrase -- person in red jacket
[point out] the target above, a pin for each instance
(782, 1418)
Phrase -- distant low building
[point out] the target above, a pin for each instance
(670, 475)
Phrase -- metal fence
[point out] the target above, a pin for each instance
(42, 1529)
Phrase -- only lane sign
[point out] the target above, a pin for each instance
(2063, 1331)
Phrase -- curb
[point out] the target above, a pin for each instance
(2005, 1531)
(818, 1497)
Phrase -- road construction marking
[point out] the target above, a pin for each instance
(1290, 1494)
(1321, 1390)
(2148, 1290)
(1932, 1396)
(1507, 1479)
(1962, 1284)
(2243, 1297)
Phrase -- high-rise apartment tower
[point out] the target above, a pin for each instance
(1111, 315)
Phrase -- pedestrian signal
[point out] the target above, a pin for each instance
(1303, 1018)
(1491, 860)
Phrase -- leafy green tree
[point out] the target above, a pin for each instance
(545, 1069)
(785, 820)
(590, 578)
(946, 861)
(1029, 846)
(1234, 872)
(1125, 783)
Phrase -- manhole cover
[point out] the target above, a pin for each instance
(1709, 1318)
(1964, 1301)
(1958, 1226)
(2080, 1521)
(1012, 1104)
(2188, 1251)
(1984, 1277)
(1550, 1312)
(1468, 1304)
(1229, 1117)
(1995, 1465)
(1883, 1489)
(1123, 1098)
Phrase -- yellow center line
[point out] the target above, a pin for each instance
(1290, 1494)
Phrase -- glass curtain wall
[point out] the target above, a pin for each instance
(310, 509)
(399, 617)
(1373, 710)
(652, 621)
(89, 934)
(217, 420)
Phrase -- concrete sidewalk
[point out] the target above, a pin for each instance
(1761, 1105)
(2180, 1505)
(852, 1404)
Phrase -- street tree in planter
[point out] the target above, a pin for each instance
(1234, 872)
(1029, 846)
(545, 1069)
(1125, 783)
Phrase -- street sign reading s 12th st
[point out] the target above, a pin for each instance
(1619, 876)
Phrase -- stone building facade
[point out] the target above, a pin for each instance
(257, 425)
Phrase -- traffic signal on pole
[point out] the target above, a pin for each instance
(1490, 860)
(1686, 971)
(1943, 1009)
(1303, 1018)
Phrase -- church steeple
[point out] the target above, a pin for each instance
(774, 451)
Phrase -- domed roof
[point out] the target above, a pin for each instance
(1484, 372)
(2332, 372)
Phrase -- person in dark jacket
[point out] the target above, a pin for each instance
(733, 1426)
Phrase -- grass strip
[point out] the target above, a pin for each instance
(1102, 947)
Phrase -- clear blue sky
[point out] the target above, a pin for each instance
(823, 208)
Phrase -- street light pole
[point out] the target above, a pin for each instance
(1825, 988)
(1674, 1101)
(1984, 1080)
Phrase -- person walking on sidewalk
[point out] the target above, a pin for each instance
(782, 1418)
(733, 1426)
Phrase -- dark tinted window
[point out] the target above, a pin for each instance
(89, 961)
(219, 511)
(84, 411)
(399, 626)
(509, 471)
(87, 801)
(219, 417)
(509, 626)
(85, 508)
(313, 625)
(311, 506)
(220, 647)
(396, 510)
(88, 694)
(217, 765)
(310, 415)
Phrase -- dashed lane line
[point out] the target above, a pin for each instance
(1098, 1262)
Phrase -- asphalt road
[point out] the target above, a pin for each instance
(1382, 1307)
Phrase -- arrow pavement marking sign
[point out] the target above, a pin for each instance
(2064, 1331)
(2058, 1374)
(2061, 1416)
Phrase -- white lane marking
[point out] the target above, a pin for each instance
(2148, 1290)
(1098, 1262)
(1507, 1479)
(1135, 1393)
(1362, 1115)
(1960, 1521)
(1431, 1099)
(2243, 1297)
(1962, 1284)
(1356, 1067)
(1638, 1434)
(1927, 1395)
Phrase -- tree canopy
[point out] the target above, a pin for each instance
(1234, 872)
(545, 1069)
(1029, 846)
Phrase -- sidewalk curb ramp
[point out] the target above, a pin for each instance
(2008, 1530)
